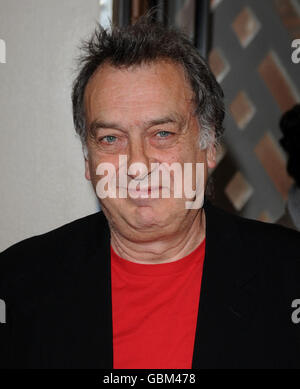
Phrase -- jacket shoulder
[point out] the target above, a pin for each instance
(38, 256)
(260, 239)
(260, 235)
(277, 240)
(269, 252)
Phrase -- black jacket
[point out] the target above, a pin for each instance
(57, 291)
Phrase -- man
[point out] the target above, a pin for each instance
(150, 282)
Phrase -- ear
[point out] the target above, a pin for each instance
(87, 169)
(86, 163)
(211, 153)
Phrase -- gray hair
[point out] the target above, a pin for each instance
(146, 42)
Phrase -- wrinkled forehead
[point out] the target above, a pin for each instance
(138, 91)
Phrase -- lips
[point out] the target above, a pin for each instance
(145, 190)
(150, 189)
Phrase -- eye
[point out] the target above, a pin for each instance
(109, 139)
(163, 134)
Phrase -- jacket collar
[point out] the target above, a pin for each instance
(227, 291)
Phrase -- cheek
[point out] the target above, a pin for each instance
(201, 156)
(186, 154)
(96, 158)
(174, 154)
(94, 163)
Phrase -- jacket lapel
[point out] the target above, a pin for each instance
(96, 304)
(75, 321)
(227, 294)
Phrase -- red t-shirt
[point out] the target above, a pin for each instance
(155, 311)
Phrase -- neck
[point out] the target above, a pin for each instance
(169, 249)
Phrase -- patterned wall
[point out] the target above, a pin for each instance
(251, 58)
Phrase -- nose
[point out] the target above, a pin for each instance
(138, 159)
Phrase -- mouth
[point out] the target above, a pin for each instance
(145, 191)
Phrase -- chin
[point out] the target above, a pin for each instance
(147, 216)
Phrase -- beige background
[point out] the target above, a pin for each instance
(42, 184)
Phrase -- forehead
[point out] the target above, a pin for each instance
(138, 92)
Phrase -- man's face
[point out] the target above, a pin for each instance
(146, 113)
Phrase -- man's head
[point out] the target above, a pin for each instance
(145, 92)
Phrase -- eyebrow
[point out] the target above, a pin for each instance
(172, 118)
(96, 124)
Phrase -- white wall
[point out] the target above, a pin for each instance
(42, 184)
